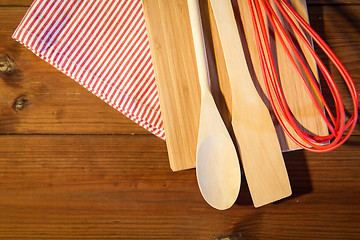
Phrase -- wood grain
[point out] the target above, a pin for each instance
(103, 187)
(106, 186)
(172, 51)
(18, 3)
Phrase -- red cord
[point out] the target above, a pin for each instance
(338, 124)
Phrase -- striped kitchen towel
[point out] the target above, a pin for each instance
(101, 44)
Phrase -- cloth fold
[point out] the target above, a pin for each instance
(101, 44)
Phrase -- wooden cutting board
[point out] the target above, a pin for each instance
(173, 56)
(171, 45)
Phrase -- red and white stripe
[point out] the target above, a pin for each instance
(103, 45)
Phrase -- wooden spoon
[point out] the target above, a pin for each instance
(217, 164)
(260, 151)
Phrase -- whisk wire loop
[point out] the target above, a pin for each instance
(337, 124)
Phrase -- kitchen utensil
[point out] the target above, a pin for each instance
(260, 150)
(337, 124)
(296, 94)
(217, 164)
(173, 55)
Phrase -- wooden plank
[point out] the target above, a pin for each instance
(121, 187)
(17, 3)
(54, 102)
(176, 77)
(53, 188)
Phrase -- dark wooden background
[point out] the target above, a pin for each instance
(71, 167)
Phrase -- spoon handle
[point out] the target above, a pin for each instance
(199, 45)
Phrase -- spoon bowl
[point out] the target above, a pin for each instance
(218, 179)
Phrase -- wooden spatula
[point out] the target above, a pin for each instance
(260, 150)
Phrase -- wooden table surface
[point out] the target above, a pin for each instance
(71, 167)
